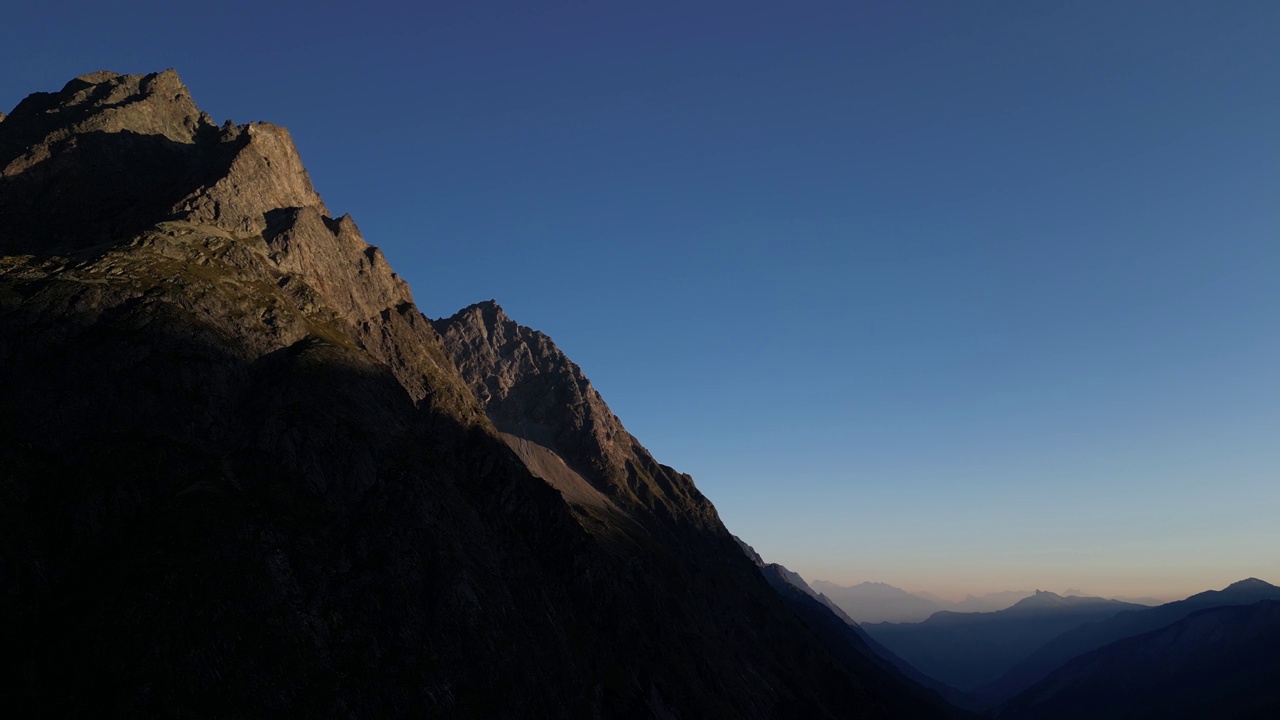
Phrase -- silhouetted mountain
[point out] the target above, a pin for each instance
(878, 602)
(989, 602)
(967, 650)
(1094, 635)
(1222, 662)
(242, 476)
(1142, 600)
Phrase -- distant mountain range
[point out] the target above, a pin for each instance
(872, 602)
(1213, 655)
(968, 650)
(1095, 635)
(879, 602)
(1221, 662)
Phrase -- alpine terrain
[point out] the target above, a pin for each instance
(241, 475)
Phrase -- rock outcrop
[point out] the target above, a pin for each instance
(241, 474)
(531, 391)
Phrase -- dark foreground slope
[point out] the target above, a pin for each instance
(241, 477)
(1094, 635)
(1218, 663)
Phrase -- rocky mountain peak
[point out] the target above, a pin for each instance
(532, 391)
(1040, 599)
(99, 164)
(153, 104)
(222, 414)
(482, 337)
(489, 310)
(75, 145)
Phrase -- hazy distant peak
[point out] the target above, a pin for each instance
(1041, 598)
(1044, 599)
(1241, 591)
(878, 588)
(1252, 583)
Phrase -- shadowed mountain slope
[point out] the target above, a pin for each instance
(241, 476)
(1126, 624)
(1221, 662)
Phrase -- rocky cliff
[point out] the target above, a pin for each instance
(242, 475)
(538, 398)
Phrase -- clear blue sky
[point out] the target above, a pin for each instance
(959, 296)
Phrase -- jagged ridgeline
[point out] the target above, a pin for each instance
(241, 475)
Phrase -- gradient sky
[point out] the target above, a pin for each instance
(959, 296)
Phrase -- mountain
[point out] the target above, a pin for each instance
(242, 475)
(968, 650)
(1143, 600)
(848, 641)
(990, 602)
(1094, 635)
(878, 602)
(547, 411)
(1220, 662)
